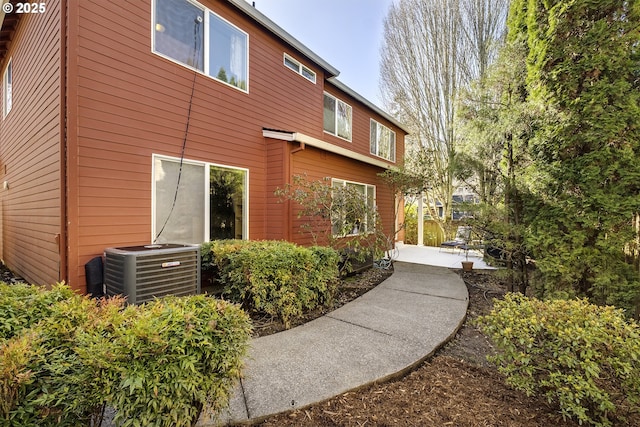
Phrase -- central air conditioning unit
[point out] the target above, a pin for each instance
(142, 273)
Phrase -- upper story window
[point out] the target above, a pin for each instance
(7, 89)
(299, 68)
(382, 141)
(192, 35)
(337, 117)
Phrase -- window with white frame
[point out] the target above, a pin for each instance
(353, 208)
(337, 117)
(7, 89)
(194, 202)
(296, 66)
(382, 141)
(192, 35)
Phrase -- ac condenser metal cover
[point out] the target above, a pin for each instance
(142, 273)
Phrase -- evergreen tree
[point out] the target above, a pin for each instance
(584, 63)
(498, 123)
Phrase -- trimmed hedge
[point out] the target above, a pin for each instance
(157, 364)
(279, 278)
(583, 357)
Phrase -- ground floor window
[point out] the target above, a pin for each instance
(353, 208)
(194, 202)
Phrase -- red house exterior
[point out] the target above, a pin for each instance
(125, 123)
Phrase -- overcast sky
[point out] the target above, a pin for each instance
(345, 33)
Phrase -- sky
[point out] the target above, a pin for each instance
(345, 33)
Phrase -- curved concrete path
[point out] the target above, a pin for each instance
(384, 333)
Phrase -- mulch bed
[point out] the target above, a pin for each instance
(457, 387)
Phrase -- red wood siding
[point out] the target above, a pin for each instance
(278, 211)
(30, 138)
(126, 104)
(317, 164)
(361, 127)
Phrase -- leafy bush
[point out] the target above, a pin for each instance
(47, 382)
(162, 362)
(279, 278)
(14, 372)
(24, 305)
(157, 364)
(584, 357)
(340, 216)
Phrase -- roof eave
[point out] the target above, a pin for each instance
(263, 20)
(331, 72)
(346, 89)
(289, 136)
(7, 28)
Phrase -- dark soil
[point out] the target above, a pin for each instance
(7, 276)
(457, 387)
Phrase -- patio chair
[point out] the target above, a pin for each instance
(463, 236)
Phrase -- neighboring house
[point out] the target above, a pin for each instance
(463, 196)
(106, 105)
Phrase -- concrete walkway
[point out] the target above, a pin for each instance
(386, 332)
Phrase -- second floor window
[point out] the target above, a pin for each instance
(337, 117)
(194, 36)
(7, 89)
(382, 141)
(299, 68)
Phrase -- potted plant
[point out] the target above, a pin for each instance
(466, 264)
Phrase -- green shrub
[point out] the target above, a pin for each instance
(278, 278)
(169, 358)
(24, 305)
(216, 254)
(15, 374)
(584, 357)
(50, 383)
(157, 364)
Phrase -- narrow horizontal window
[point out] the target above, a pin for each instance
(291, 63)
(337, 117)
(192, 35)
(296, 66)
(307, 73)
(382, 141)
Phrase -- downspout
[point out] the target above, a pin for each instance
(62, 237)
(300, 148)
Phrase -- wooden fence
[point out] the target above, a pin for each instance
(433, 234)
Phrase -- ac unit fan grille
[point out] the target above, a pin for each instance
(144, 276)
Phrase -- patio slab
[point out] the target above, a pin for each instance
(440, 257)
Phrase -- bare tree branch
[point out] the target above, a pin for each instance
(431, 50)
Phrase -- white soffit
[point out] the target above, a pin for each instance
(326, 146)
